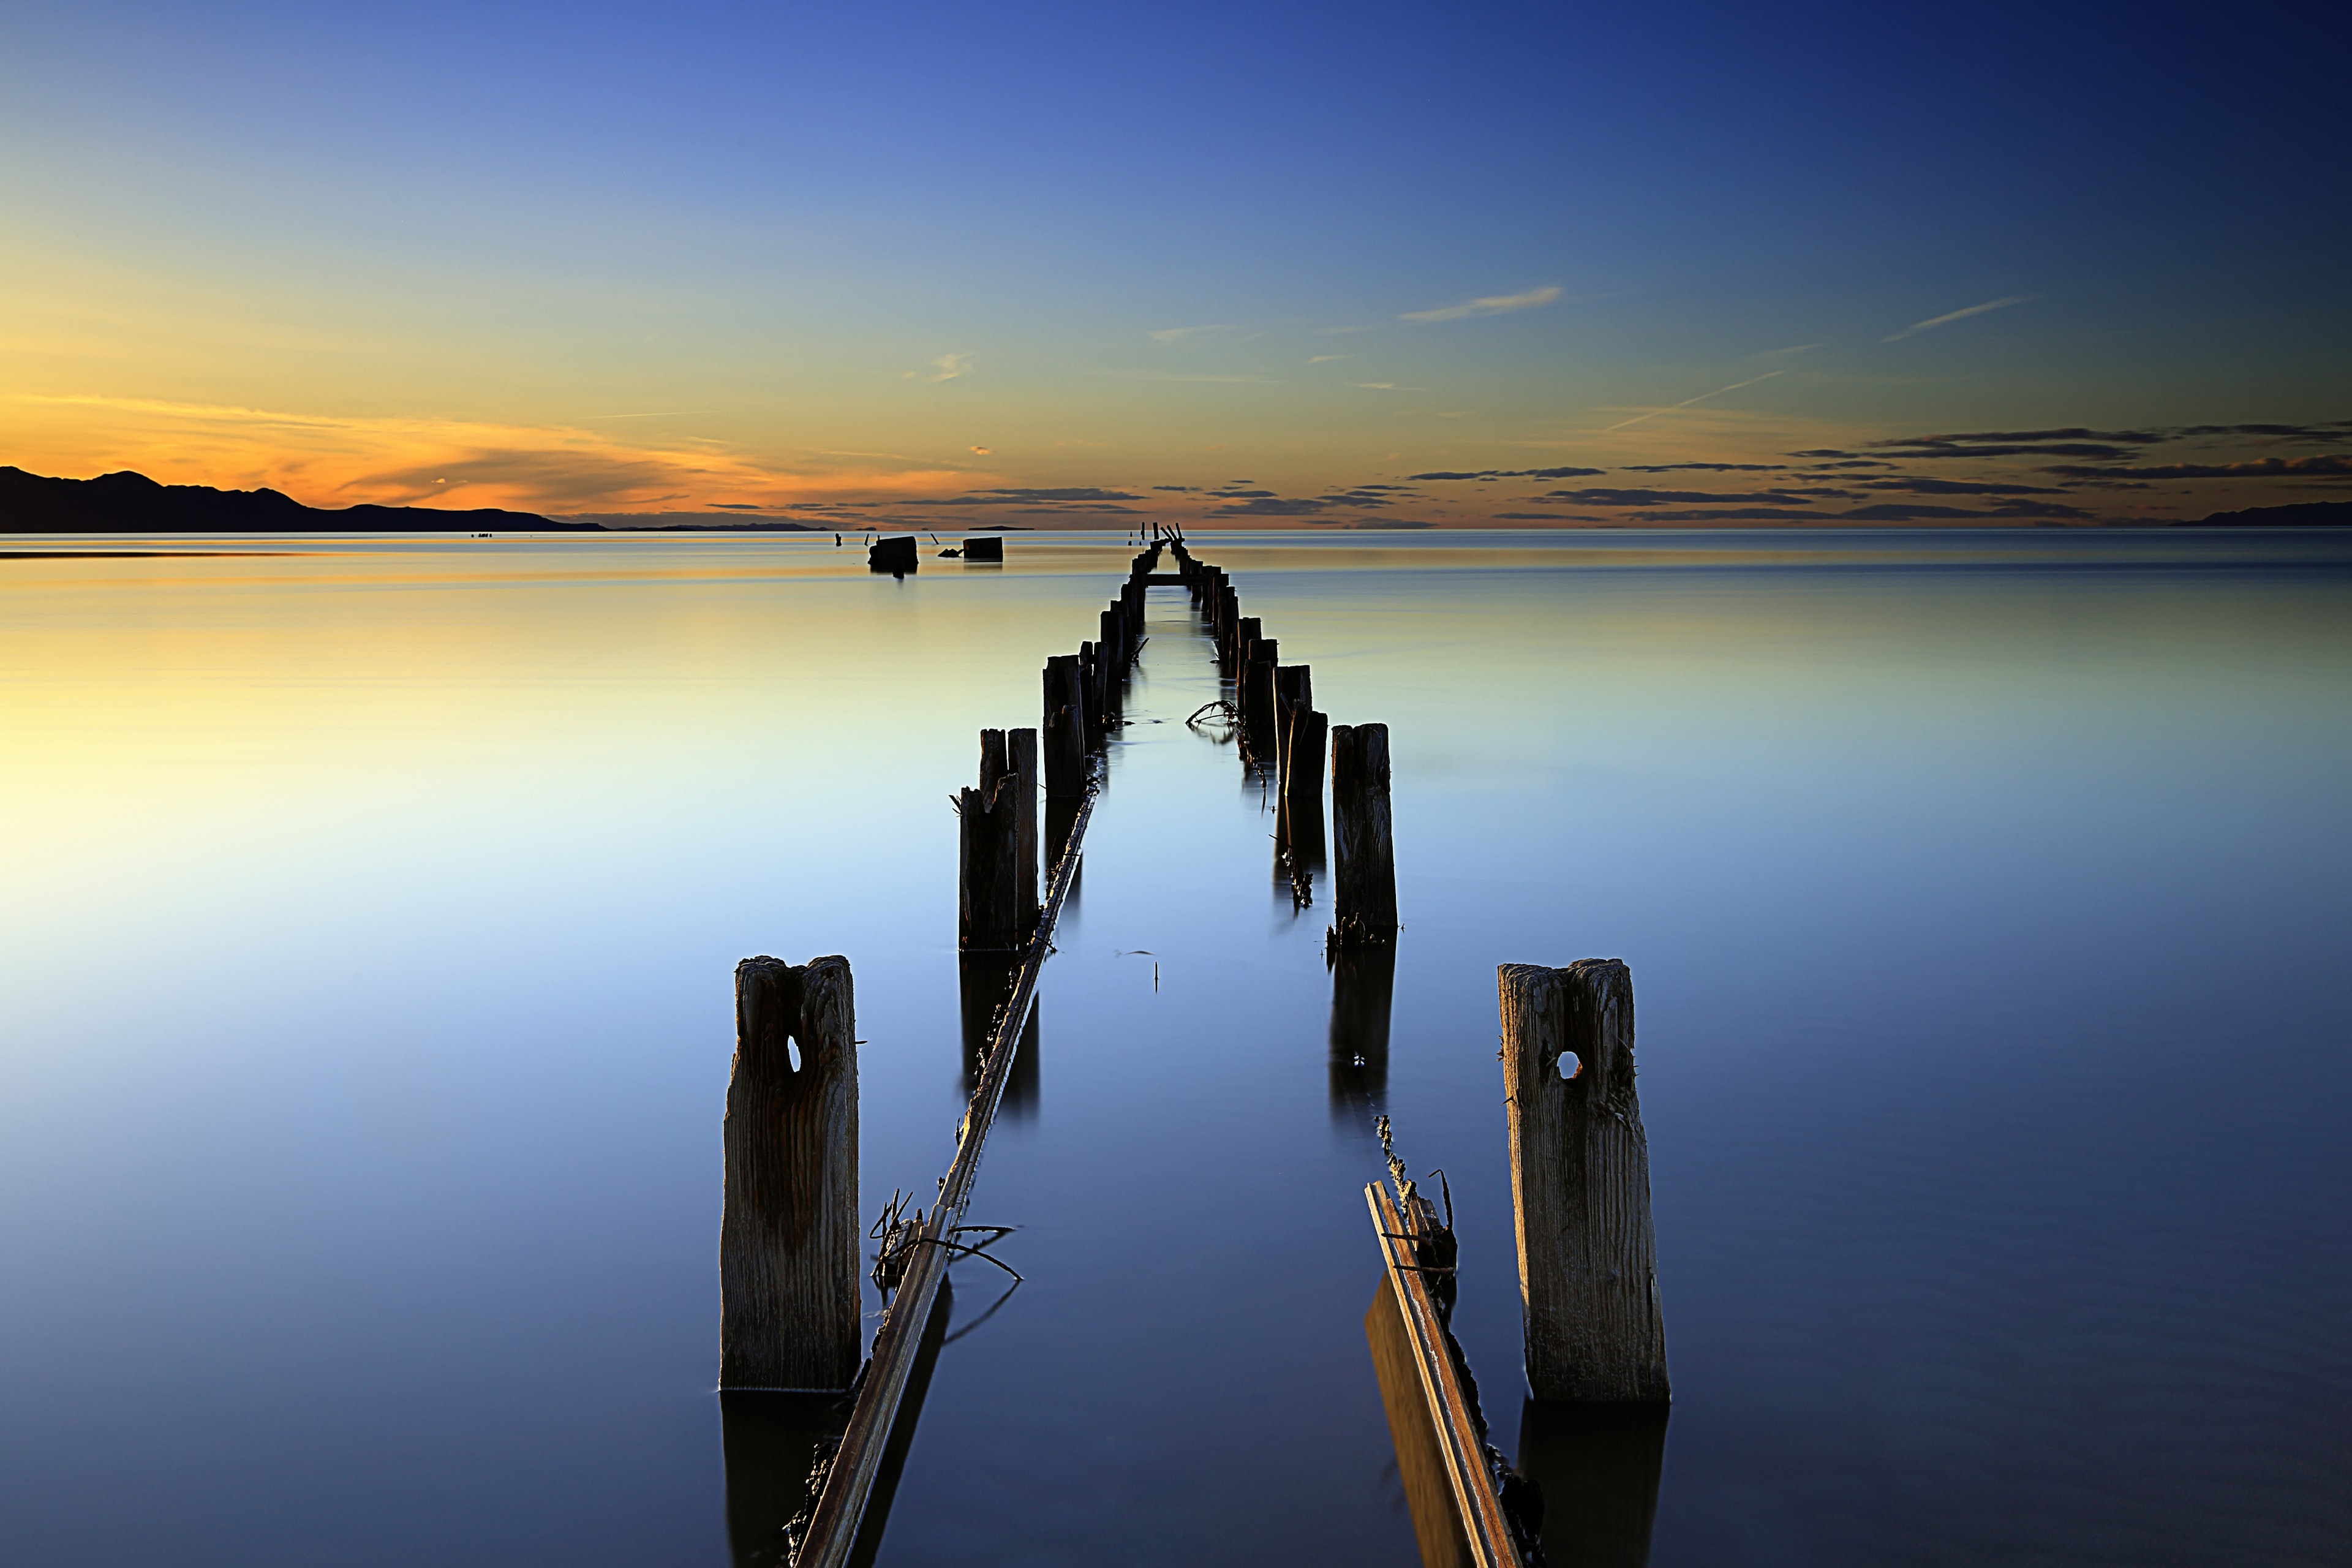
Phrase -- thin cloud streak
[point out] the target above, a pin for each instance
(1702, 397)
(1492, 305)
(946, 367)
(1959, 316)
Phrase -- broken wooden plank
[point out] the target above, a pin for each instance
(1485, 1528)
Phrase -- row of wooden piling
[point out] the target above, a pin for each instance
(1285, 734)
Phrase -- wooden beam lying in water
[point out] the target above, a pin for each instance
(849, 1484)
(1459, 1444)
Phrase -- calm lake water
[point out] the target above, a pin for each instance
(373, 907)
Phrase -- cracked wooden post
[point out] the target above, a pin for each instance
(1581, 1184)
(988, 901)
(1066, 729)
(1364, 860)
(788, 1233)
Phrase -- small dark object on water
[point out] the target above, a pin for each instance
(895, 555)
(983, 550)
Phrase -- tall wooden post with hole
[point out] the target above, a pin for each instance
(788, 1233)
(1581, 1184)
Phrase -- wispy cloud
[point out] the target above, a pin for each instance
(946, 367)
(1222, 331)
(1492, 305)
(1326, 359)
(1686, 402)
(334, 460)
(1950, 316)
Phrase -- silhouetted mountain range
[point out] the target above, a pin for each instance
(133, 503)
(2303, 514)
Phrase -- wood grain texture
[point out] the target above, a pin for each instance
(1581, 1184)
(788, 1233)
(1363, 862)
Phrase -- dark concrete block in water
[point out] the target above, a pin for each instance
(987, 548)
(895, 554)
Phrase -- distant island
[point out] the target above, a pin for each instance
(133, 503)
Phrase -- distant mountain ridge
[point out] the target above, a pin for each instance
(2302, 514)
(128, 502)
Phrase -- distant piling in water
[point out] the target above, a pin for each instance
(1581, 1184)
(1363, 860)
(894, 556)
(788, 1234)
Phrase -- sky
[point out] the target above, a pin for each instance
(1355, 266)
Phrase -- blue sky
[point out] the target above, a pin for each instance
(590, 257)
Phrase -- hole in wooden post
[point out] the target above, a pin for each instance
(1571, 1064)
(792, 1054)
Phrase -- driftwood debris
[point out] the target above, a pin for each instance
(1581, 1184)
(788, 1233)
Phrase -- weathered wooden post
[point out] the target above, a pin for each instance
(788, 1233)
(1066, 729)
(1293, 688)
(1581, 1184)
(1364, 860)
(1302, 773)
(1112, 640)
(1257, 699)
(1245, 632)
(988, 895)
(1090, 692)
(1021, 771)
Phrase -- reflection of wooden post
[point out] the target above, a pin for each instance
(1066, 729)
(987, 875)
(1363, 988)
(1363, 863)
(1597, 1467)
(788, 1236)
(1581, 1184)
(1428, 1493)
